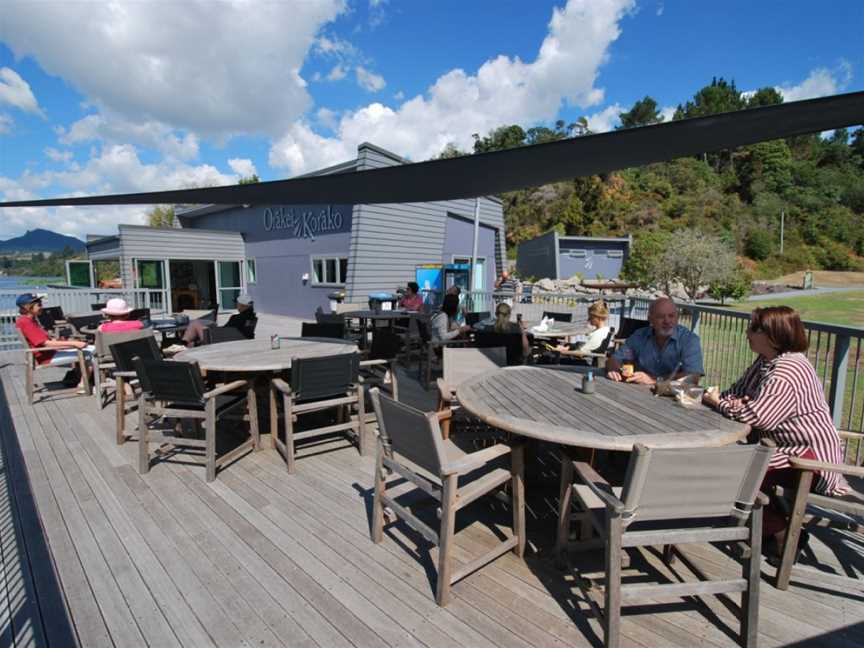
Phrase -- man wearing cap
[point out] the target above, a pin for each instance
(57, 352)
(241, 320)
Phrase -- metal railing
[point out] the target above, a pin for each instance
(76, 302)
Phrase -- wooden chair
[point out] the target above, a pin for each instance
(319, 384)
(851, 504)
(596, 358)
(411, 446)
(81, 322)
(176, 390)
(52, 319)
(330, 330)
(381, 362)
(459, 365)
(558, 317)
(103, 361)
(139, 314)
(217, 334)
(123, 354)
(211, 316)
(98, 306)
(249, 327)
(698, 495)
(328, 318)
(32, 367)
(512, 342)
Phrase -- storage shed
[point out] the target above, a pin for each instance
(560, 257)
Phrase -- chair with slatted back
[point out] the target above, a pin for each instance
(670, 497)
(141, 314)
(558, 317)
(411, 448)
(329, 330)
(459, 365)
(217, 334)
(316, 385)
(123, 354)
(103, 361)
(175, 390)
(850, 506)
(512, 342)
(33, 367)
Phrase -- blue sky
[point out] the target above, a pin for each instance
(115, 97)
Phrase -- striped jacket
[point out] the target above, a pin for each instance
(786, 404)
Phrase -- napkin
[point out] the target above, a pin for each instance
(543, 326)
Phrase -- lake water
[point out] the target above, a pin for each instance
(25, 284)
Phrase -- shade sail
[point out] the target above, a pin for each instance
(528, 166)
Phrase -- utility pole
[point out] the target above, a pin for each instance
(782, 227)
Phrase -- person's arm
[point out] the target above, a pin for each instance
(63, 344)
(691, 358)
(773, 403)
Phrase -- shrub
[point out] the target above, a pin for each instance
(759, 244)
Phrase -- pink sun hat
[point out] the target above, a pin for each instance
(117, 307)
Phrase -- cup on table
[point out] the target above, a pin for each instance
(628, 369)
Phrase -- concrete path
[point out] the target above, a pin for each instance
(804, 293)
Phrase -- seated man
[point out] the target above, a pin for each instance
(57, 352)
(664, 350)
(194, 334)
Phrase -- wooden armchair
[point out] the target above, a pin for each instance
(123, 354)
(175, 390)
(850, 504)
(81, 322)
(381, 363)
(216, 334)
(103, 361)
(459, 365)
(32, 367)
(699, 495)
(411, 446)
(319, 384)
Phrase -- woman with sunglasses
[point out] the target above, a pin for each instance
(781, 398)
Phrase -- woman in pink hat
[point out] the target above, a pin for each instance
(117, 310)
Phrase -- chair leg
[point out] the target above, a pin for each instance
(752, 573)
(85, 375)
(274, 418)
(565, 504)
(445, 539)
(97, 384)
(612, 594)
(30, 386)
(394, 382)
(288, 403)
(252, 405)
(377, 502)
(517, 498)
(120, 404)
(362, 441)
(210, 437)
(796, 519)
(143, 438)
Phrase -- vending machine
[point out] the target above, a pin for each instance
(457, 274)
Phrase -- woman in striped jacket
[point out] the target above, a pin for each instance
(781, 398)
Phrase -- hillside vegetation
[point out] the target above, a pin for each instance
(737, 195)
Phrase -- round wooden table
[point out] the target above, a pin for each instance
(256, 356)
(545, 403)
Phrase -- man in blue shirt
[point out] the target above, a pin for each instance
(663, 350)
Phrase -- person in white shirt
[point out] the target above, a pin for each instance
(598, 318)
(443, 323)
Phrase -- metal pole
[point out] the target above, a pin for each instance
(782, 226)
(474, 246)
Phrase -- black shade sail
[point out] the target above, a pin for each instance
(528, 166)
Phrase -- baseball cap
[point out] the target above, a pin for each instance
(244, 299)
(29, 298)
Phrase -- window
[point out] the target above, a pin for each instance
(576, 254)
(228, 283)
(615, 254)
(329, 271)
(250, 271)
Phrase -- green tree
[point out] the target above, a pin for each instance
(759, 244)
(735, 287)
(161, 216)
(648, 246)
(764, 97)
(717, 97)
(253, 179)
(643, 113)
(695, 260)
(450, 151)
(505, 137)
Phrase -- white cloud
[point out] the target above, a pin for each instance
(606, 119)
(6, 123)
(503, 91)
(337, 73)
(58, 156)
(327, 118)
(667, 112)
(217, 71)
(369, 80)
(820, 82)
(15, 91)
(243, 167)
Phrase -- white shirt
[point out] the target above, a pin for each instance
(595, 339)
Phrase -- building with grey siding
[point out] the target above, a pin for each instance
(554, 256)
(290, 257)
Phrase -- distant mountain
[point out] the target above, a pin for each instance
(40, 240)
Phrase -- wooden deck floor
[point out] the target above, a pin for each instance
(263, 558)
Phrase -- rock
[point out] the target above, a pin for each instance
(545, 284)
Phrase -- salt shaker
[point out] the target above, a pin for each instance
(588, 383)
(274, 341)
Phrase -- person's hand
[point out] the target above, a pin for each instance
(641, 378)
(614, 376)
(711, 398)
(78, 344)
(735, 403)
(464, 329)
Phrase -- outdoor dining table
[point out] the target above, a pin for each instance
(556, 330)
(546, 403)
(389, 316)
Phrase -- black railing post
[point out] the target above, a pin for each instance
(839, 367)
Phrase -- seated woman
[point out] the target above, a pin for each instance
(194, 334)
(598, 318)
(781, 398)
(412, 300)
(117, 311)
(443, 323)
(504, 325)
